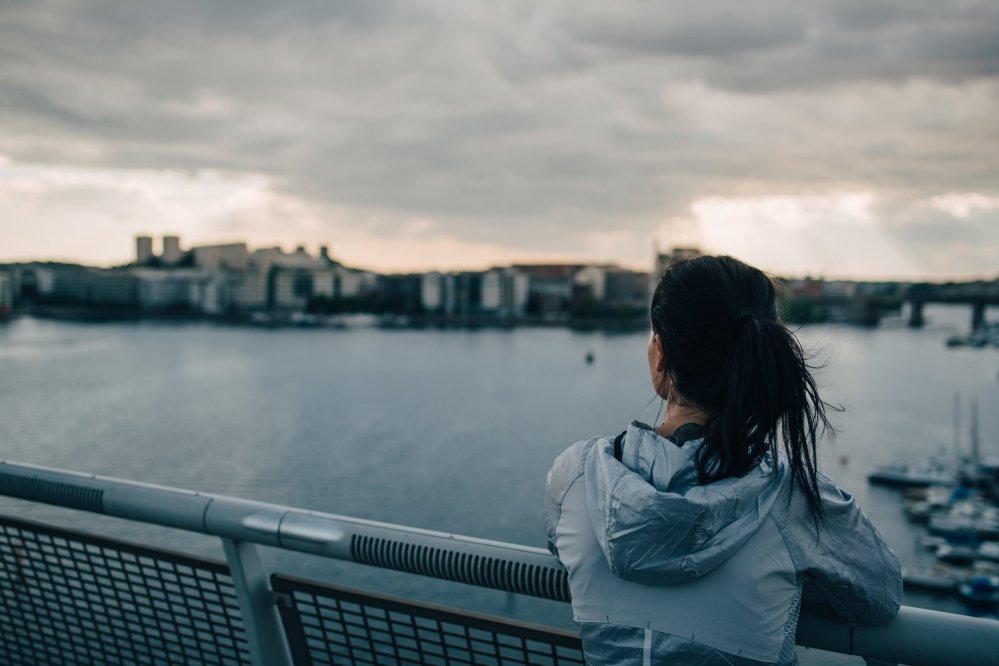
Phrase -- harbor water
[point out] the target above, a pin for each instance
(450, 430)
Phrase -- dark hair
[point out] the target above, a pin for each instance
(728, 353)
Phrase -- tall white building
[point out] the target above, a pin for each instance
(172, 254)
(143, 249)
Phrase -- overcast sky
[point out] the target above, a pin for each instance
(852, 138)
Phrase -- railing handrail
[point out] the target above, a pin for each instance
(915, 636)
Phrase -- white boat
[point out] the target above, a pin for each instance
(922, 502)
(930, 542)
(969, 519)
(932, 473)
(938, 578)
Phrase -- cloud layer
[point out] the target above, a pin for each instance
(523, 129)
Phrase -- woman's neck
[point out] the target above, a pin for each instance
(677, 414)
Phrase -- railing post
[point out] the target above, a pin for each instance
(264, 631)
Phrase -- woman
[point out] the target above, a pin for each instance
(697, 541)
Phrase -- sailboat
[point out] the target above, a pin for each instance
(976, 472)
(932, 472)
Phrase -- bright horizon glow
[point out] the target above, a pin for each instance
(811, 230)
(93, 215)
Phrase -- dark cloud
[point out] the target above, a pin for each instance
(514, 121)
(774, 44)
(710, 30)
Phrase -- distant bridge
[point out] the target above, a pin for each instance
(979, 295)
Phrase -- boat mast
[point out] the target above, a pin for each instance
(956, 413)
(974, 435)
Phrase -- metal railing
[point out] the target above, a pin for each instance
(284, 621)
(68, 597)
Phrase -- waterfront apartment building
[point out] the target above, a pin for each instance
(223, 257)
(183, 291)
(434, 288)
(666, 259)
(294, 279)
(550, 288)
(6, 293)
(78, 286)
(504, 292)
(230, 278)
(612, 287)
(499, 292)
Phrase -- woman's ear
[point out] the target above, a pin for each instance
(660, 354)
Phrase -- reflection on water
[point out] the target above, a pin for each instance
(447, 430)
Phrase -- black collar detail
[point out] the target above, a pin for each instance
(686, 433)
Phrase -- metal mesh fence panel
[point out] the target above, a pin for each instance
(72, 598)
(328, 624)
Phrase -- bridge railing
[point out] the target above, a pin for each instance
(53, 578)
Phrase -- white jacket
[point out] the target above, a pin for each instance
(665, 570)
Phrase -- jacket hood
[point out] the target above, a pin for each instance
(655, 523)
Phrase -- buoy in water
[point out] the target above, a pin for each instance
(589, 358)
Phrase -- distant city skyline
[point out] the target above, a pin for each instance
(842, 140)
(458, 265)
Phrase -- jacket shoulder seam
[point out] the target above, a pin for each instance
(798, 570)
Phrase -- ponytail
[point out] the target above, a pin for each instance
(728, 353)
(771, 397)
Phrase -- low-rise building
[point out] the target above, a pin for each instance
(249, 289)
(499, 292)
(840, 290)
(624, 288)
(803, 288)
(433, 291)
(504, 292)
(400, 294)
(450, 293)
(183, 291)
(550, 287)
(666, 259)
(353, 283)
(295, 279)
(606, 290)
(6, 293)
(592, 279)
(292, 289)
(222, 257)
(72, 285)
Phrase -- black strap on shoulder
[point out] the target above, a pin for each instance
(686, 432)
(619, 445)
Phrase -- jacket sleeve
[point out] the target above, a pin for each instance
(564, 471)
(849, 571)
